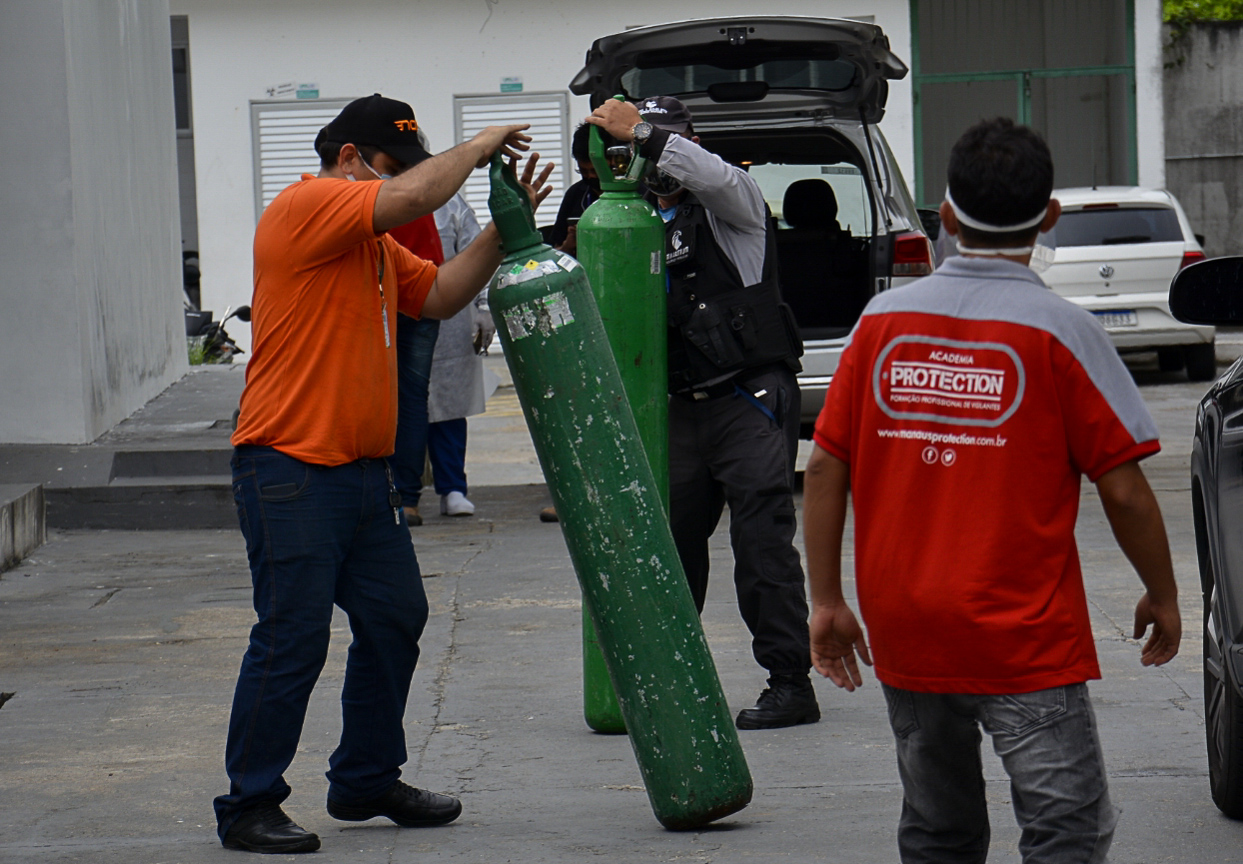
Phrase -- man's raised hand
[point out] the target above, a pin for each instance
(616, 118)
(507, 139)
(538, 188)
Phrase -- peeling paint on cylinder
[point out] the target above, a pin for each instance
(589, 469)
(621, 241)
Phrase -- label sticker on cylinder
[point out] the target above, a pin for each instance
(655, 263)
(567, 263)
(531, 270)
(542, 315)
(557, 310)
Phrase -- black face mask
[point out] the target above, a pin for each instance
(661, 184)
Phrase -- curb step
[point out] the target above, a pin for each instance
(157, 505)
(23, 525)
(152, 489)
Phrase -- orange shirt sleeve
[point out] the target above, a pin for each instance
(329, 217)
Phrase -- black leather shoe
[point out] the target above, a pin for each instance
(405, 805)
(266, 828)
(788, 700)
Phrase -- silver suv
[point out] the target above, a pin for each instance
(795, 101)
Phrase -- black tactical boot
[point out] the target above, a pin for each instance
(788, 700)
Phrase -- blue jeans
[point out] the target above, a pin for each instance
(1048, 743)
(318, 536)
(416, 341)
(446, 447)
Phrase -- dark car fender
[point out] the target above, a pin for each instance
(1205, 456)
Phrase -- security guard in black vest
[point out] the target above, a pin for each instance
(734, 406)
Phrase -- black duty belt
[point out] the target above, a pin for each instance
(727, 387)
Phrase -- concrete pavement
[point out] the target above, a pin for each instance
(122, 647)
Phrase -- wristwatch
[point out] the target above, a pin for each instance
(641, 132)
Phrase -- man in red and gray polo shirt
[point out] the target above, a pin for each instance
(960, 421)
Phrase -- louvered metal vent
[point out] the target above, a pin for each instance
(548, 113)
(283, 138)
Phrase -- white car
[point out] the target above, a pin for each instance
(1117, 249)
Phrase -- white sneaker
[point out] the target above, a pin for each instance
(456, 504)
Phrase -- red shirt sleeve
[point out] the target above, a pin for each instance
(421, 238)
(835, 425)
(414, 278)
(1098, 439)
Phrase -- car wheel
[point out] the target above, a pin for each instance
(1223, 719)
(1170, 359)
(1201, 361)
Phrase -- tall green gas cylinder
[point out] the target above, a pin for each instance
(613, 522)
(621, 243)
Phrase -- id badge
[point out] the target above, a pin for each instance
(384, 317)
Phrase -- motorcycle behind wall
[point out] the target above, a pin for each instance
(216, 345)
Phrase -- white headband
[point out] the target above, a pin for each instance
(989, 251)
(964, 219)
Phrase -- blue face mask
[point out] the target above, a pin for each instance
(352, 178)
(373, 171)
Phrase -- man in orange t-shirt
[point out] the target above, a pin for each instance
(960, 421)
(314, 493)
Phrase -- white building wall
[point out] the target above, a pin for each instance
(40, 359)
(1149, 94)
(1204, 130)
(422, 53)
(91, 326)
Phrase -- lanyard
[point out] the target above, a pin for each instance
(383, 302)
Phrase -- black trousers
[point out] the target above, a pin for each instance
(728, 451)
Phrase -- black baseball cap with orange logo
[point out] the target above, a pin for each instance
(379, 122)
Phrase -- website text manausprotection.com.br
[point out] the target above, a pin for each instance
(959, 438)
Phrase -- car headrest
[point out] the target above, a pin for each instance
(809, 203)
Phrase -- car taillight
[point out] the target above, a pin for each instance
(912, 255)
(1191, 258)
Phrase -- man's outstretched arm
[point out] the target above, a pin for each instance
(1136, 521)
(728, 192)
(460, 279)
(428, 185)
(835, 633)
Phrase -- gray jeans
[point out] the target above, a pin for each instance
(731, 450)
(1049, 745)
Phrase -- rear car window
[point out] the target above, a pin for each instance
(854, 211)
(1116, 226)
(675, 79)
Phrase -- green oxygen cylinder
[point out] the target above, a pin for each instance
(621, 243)
(613, 522)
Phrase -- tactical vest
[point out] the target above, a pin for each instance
(717, 325)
